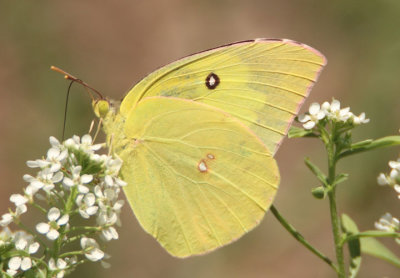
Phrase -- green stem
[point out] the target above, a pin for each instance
(336, 230)
(370, 234)
(300, 238)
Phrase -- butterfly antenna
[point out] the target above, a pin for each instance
(77, 80)
(65, 110)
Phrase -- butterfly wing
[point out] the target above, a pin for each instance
(197, 177)
(262, 83)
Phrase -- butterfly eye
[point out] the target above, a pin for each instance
(212, 81)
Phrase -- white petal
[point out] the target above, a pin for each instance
(54, 142)
(86, 178)
(57, 177)
(37, 184)
(114, 233)
(43, 228)
(309, 125)
(14, 263)
(11, 272)
(394, 174)
(304, 118)
(397, 188)
(84, 214)
(89, 199)
(108, 180)
(62, 155)
(394, 164)
(79, 199)
(314, 108)
(61, 264)
(320, 115)
(335, 105)
(92, 210)
(107, 234)
(76, 171)
(95, 255)
(55, 167)
(118, 205)
(6, 219)
(96, 147)
(98, 192)
(53, 214)
(86, 139)
(33, 248)
(63, 220)
(83, 189)
(31, 190)
(53, 234)
(326, 106)
(120, 182)
(32, 164)
(18, 199)
(21, 209)
(42, 163)
(382, 180)
(68, 182)
(52, 264)
(26, 263)
(21, 243)
(28, 178)
(53, 153)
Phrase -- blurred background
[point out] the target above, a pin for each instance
(113, 44)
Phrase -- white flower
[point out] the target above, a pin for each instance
(5, 236)
(17, 263)
(109, 233)
(395, 164)
(315, 114)
(360, 119)
(6, 219)
(58, 267)
(56, 157)
(18, 199)
(388, 223)
(383, 179)
(334, 112)
(45, 180)
(85, 144)
(78, 180)
(86, 204)
(91, 249)
(50, 229)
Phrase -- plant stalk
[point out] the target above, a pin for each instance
(300, 238)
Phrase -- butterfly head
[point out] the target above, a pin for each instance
(101, 107)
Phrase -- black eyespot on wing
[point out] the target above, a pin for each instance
(212, 81)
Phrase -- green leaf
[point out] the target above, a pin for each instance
(350, 227)
(317, 172)
(295, 132)
(374, 248)
(368, 145)
(341, 178)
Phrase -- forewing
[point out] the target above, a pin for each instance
(197, 178)
(262, 83)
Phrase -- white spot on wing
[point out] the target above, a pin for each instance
(202, 166)
(212, 81)
(210, 156)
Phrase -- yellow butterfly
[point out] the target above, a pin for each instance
(197, 139)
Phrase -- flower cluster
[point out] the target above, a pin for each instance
(393, 178)
(72, 182)
(387, 222)
(330, 111)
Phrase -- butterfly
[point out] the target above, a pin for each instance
(198, 136)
